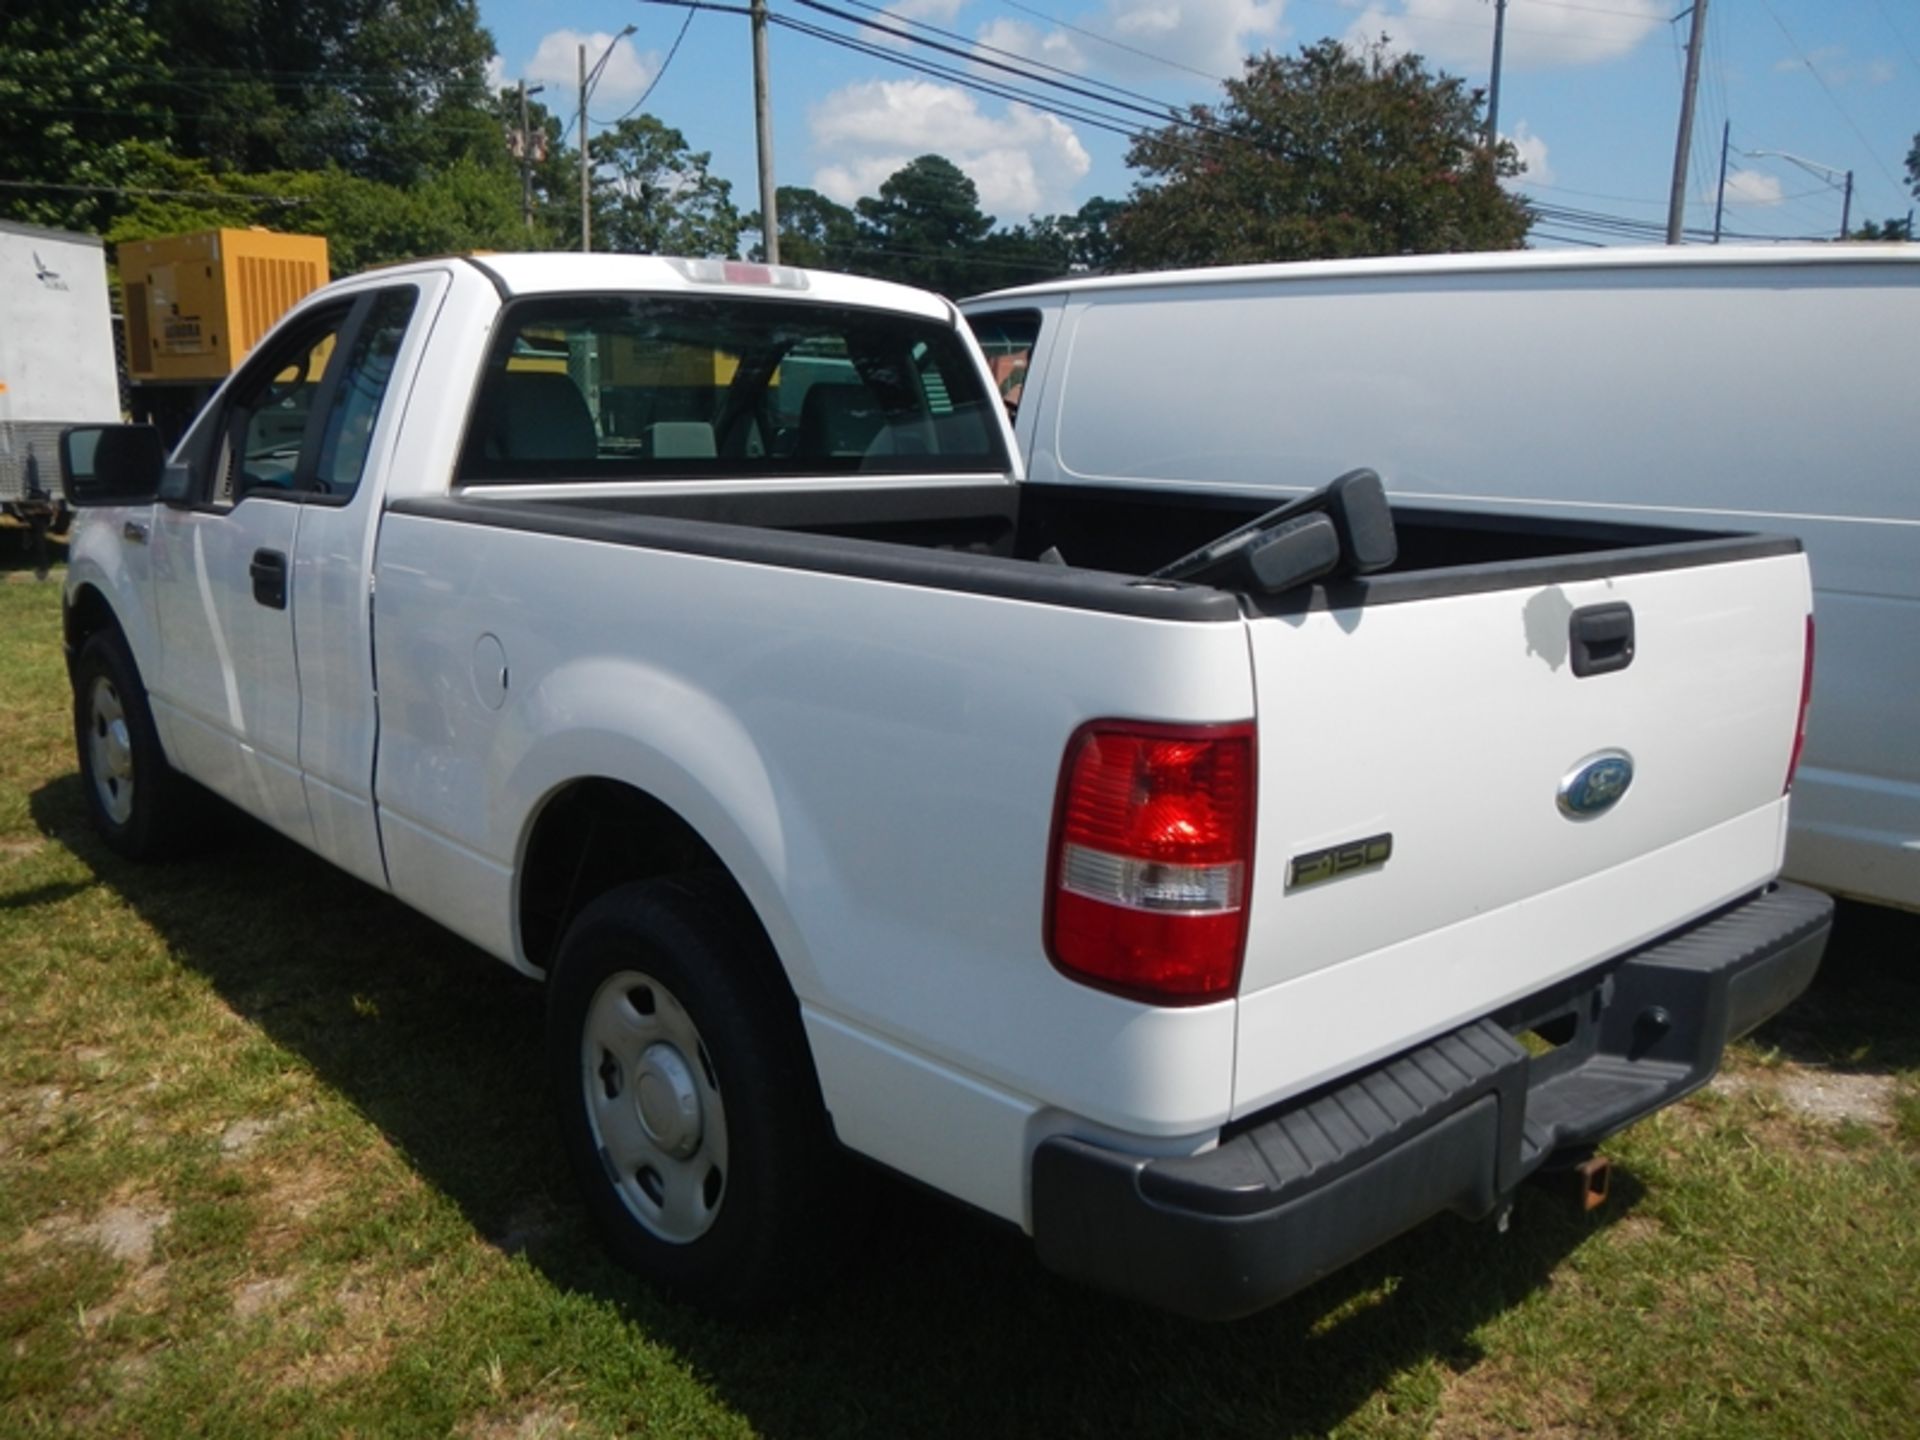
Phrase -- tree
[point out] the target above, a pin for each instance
(81, 110)
(1328, 153)
(922, 228)
(1892, 228)
(655, 196)
(816, 233)
(139, 117)
(389, 90)
(1050, 245)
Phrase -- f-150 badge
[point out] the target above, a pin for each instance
(1317, 865)
(1595, 785)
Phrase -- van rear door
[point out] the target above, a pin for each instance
(1475, 782)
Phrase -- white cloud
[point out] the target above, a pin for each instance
(496, 74)
(556, 65)
(1458, 34)
(1213, 36)
(1753, 187)
(1023, 162)
(1533, 154)
(1053, 47)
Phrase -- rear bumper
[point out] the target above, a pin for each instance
(1454, 1124)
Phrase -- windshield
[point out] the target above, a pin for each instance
(621, 388)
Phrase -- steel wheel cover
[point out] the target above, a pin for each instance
(109, 751)
(653, 1104)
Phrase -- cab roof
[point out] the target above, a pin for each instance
(563, 273)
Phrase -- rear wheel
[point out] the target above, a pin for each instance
(688, 1104)
(139, 804)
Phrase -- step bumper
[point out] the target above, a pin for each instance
(1454, 1124)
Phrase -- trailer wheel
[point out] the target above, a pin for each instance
(139, 803)
(688, 1104)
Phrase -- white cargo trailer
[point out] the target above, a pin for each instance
(56, 358)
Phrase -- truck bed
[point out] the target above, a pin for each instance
(987, 538)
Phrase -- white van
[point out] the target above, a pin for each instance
(1732, 388)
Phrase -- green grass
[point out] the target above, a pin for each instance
(274, 1161)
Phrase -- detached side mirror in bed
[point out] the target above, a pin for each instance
(110, 464)
(1291, 553)
(1357, 501)
(1346, 526)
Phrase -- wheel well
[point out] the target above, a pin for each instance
(591, 836)
(87, 613)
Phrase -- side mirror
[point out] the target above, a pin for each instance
(110, 464)
(1344, 527)
(1357, 501)
(1292, 553)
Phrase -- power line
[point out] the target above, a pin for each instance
(1109, 40)
(1898, 33)
(1098, 119)
(1631, 228)
(976, 44)
(1158, 110)
(658, 75)
(234, 195)
(1827, 90)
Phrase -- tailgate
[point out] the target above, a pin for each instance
(1456, 725)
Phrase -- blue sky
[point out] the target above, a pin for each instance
(1590, 92)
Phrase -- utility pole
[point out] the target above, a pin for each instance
(1493, 88)
(1846, 207)
(763, 127)
(588, 79)
(1677, 199)
(527, 157)
(586, 216)
(1720, 195)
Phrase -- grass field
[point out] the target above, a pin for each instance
(274, 1161)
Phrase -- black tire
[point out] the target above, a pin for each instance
(140, 805)
(734, 1215)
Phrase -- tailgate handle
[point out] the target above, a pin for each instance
(1602, 639)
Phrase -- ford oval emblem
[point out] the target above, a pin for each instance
(1595, 785)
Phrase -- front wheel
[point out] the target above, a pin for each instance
(688, 1104)
(138, 802)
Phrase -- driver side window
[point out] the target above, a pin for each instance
(269, 416)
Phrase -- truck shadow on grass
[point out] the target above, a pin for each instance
(941, 1323)
(1862, 1015)
(30, 553)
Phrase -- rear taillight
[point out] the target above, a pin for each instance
(1152, 854)
(1806, 698)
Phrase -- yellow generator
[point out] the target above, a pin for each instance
(196, 304)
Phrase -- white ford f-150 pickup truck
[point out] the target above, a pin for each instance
(1213, 895)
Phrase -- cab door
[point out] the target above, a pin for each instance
(332, 572)
(227, 690)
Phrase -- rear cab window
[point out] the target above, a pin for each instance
(640, 387)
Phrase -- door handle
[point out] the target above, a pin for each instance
(269, 572)
(134, 532)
